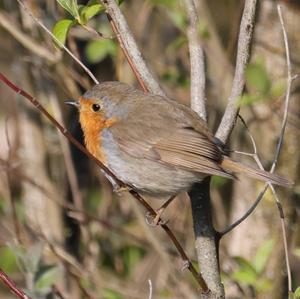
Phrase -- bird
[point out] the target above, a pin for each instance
(154, 144)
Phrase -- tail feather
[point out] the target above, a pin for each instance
(232, 166)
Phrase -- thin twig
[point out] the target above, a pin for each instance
(96, 33)
(12, 286)
(196, 61)
(290, 79)
(243, 54)
(58, 292)
(58, 41)
(25, 40)
(232, 226)
(130, 48)
(150, 289)
(151, 211)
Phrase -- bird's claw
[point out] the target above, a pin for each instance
(154, 221)
(185, 265)
(120, 189)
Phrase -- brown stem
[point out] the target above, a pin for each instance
(243, 54)
(130, 48)
(206, 238)
(12, 286)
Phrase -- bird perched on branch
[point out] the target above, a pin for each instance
(152, 143)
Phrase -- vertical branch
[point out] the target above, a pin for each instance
(243, 54)
(205, 234)
(206, 238)
(130, 48)
(196, 61)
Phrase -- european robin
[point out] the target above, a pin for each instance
(152, 143)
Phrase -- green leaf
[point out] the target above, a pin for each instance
(248, 99)
(297, 252)
(70, 6)
(178, 18)
(89, 11)
(245, 277)
(278, 89)
(8, 260)
(243, 263)
(203, 30)
(29, 258)
(169, 3)
(246, 274)
(297, 293)
(176, 44)
(262, 255)
(47, 277)
(61, 29)
(111, 294)
(218, 182)
(34, 255)
(257, 78)
(131, 256)
(97, 50)
(263, 285)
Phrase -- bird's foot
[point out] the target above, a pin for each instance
(121, 189)
(186, 265)
(155, 220)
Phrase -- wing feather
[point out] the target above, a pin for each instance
(174, 136)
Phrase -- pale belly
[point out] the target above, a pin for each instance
(146, 176)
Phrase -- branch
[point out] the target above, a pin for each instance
(196, 61)
(36, 20)
(151, 211)
(25, 40)
(243, 54)
(290, 79)
(12, 286)
(205, 234)
(130, 48)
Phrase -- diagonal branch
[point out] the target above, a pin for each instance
(130, 48)
(36, 20)
(37, 104)
(243, 54)
(27, 42)
(12, 286)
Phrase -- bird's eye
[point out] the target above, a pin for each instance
(96, 107)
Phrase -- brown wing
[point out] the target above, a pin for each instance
(190, 150)
(182, 147)
(165, 131)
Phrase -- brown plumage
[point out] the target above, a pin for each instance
(152, 143)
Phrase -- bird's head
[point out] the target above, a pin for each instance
(104, 101)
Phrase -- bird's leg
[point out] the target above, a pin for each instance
(115, 186)
(120, 189)
(160, 211)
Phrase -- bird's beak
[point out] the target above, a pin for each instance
(73, 103)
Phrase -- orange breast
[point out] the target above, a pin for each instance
(92, 124)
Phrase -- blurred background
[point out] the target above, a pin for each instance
(63, 233)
